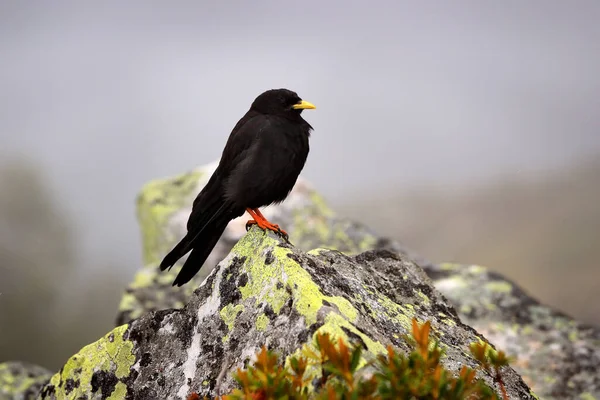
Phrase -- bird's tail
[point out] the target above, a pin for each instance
(201, 241)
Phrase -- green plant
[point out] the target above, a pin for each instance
(418, 375)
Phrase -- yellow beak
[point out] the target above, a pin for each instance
(303, 105)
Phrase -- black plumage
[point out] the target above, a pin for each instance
(262, 159)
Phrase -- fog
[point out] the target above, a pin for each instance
(106, 96)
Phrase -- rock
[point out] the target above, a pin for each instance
(485, 300)
(557, 356)
(163, 207)
(162, 333)
(266, 292)
(21, 381)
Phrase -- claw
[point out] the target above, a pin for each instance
(264, 224)
(249, 224)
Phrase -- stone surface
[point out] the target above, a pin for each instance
(554, 364)
(557, 356)
(266, 292)
(21, 381)
(163, 207)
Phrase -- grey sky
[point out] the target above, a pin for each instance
(108, 95)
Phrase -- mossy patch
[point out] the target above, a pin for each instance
(499, 287)
(229, 313)
(307, 295)
(18, 378)
(261, 322)
(111, 356)
(157, 202)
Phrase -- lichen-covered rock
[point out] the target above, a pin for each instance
(21, 381)
(266, 292)
(163, 207)
(556, 355)
(101, 370)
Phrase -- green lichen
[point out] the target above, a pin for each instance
(112, 353)
(229, 314)
(465, 309)
(143, 278)
(401, 314)
(156, 203)
(333, 325)
(366, 244)
(275, 297)
(426, 300)
(119, 392)
(308, 226)
(448, 266)
(316, 225)
(573, 335)
(321, 205)
(284, 279)
(309, 298)
(499, 287)
(476, 269)
(317, 252)
(17, 378)
(130, 302)
(261, 322)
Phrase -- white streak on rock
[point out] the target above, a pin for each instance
(208, 309)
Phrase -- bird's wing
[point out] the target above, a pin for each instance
(239, 145)
(211, 210)
(262, 161)
(243, 139)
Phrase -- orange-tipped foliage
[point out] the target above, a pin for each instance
(395, 375)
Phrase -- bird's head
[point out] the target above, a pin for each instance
(281, 102)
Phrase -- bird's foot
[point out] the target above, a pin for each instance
(264, 225)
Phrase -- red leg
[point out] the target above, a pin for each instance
(262, 222)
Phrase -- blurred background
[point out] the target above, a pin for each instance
(468, 131)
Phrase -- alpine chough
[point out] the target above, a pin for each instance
(259, 166)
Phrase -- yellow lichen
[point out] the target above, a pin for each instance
(319, 202)
(229, 313)
(157, 201)
(143, 278)
(499, 287)
(274, 283)
(129, 302)
(476, 269)
(448, 266)
(15, 385)
(111, 353)
(263, 278)
(587, 396)
(573, 336)
(426, 300)
(119, 392)
(261, 322)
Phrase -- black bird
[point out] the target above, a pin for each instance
(260, 164)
